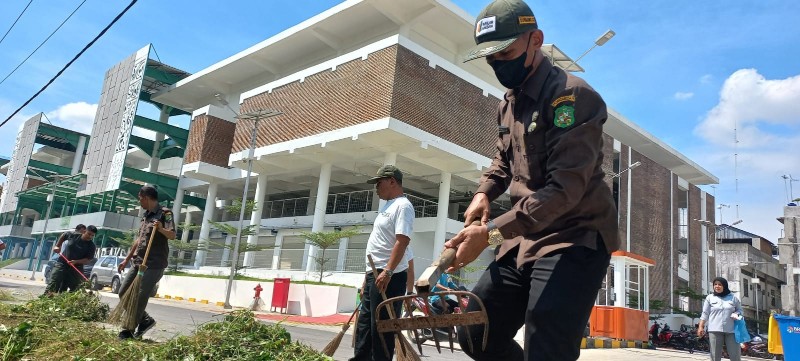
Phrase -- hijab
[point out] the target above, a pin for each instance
(725, 290)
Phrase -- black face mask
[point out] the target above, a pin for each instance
(511, 73)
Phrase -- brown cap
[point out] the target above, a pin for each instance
(387, 171)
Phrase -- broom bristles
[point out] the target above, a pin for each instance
(125, 312)
(332, 346)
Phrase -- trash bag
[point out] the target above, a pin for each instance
(740, 330)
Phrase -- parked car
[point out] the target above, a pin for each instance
(48, 268)
(105, 273)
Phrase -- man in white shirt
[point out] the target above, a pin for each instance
(387, 245)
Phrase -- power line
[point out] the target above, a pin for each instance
(40, 45)
(70, 62)
(15, 21)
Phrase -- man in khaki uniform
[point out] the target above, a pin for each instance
(553, 247)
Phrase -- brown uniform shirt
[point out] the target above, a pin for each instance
(549, 152)
(159, 252)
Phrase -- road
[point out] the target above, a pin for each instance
(180, 318)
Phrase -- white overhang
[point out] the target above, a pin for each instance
(629, 133)
(367, 143)
(435, 29)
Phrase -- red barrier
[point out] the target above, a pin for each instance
(280, 294)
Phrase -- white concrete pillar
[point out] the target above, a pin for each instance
(342, 254)
(185, 232)
(163, 117)
(388, 158)
(178, 204)
(226, 251)
(76, 162)
(440, 233)
(276, 254)
(255, 217)
(205, 227)
(619, 282)
(319, 213)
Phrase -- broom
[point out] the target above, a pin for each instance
(330, 349)
(125, 312)
(403, 348)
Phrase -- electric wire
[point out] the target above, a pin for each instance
(70, 62)
(15, 21)
(43, 42)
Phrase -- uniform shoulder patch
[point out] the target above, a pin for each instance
(564, 116)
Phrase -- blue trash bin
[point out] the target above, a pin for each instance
(790, 336)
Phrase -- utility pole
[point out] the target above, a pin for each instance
(788, 251)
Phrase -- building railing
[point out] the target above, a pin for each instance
(349, 202)
(423, 207)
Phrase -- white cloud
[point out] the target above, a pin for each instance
(706, 79)
(766, 115)
(77, 116)
(683, 95)
(749, 102)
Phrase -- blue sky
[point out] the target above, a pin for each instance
(686, 71)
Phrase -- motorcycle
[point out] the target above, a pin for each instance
(679, 340)
(418, 307)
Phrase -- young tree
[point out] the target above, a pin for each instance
(126, 241)
(692, 295)
(324, 240)
(249, 230)
(178, 248)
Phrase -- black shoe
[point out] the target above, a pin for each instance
(125, 334)
(144, 326)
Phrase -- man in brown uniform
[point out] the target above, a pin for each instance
(154, 215)
(553, 246)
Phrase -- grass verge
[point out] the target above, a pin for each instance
(67, 327)
(9, 261)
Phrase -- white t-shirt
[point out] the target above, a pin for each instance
(396, 217)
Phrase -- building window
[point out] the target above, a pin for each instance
(683, 228)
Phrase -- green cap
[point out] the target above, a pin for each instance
(387, 171)
(499, 25)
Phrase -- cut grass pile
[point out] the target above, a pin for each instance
(68, 327)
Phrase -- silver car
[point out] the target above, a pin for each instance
(104, 273)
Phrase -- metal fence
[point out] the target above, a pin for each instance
(349, 202)
(422, 206)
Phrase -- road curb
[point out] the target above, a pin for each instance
(594, 342)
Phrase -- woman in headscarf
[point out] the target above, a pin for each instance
(720, 310)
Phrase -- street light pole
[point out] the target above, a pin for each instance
(256, 116)
(599, 42)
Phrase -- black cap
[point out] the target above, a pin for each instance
(499, 25)
(387, 171)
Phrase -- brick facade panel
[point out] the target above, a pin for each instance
(356, 92)
(650, 220)
(443, 104)
(695, 246)
(210, 140)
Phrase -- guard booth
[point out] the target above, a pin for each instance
(622, 307)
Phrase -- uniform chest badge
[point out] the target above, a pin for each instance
(532, 126)
(564, 116)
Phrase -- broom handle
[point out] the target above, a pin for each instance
(149, 244)
(383, 293)
(73, 266)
